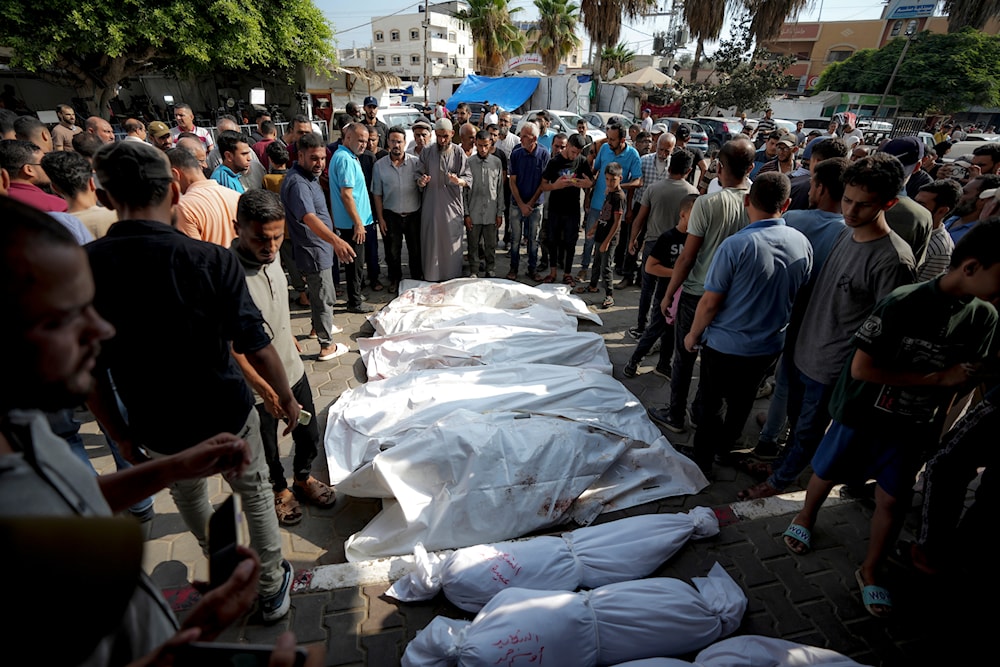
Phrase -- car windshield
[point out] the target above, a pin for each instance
(405, 119)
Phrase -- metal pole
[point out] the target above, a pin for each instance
(892, 78)
(427, 27)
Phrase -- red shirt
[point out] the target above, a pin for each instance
(260, 148)
(32, 195)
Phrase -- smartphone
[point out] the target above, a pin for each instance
(212, 654)
(305, 417)
(227, 530)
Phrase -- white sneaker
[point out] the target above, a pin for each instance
(275, 607)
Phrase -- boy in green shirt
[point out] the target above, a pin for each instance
(918, 346)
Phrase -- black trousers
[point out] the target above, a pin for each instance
(306, 439)
(401, 226)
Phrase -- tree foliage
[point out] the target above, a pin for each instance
(93, 46)
(602, 19)
(496, 37)
(970, 13)
(556, 33)
(940, 73)
(619, 57)
(747, 75)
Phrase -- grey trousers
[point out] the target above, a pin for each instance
(322, 297)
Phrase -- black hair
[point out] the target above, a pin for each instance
(15, 153)
(643, 135)
(830, 148)
(776, 135)
(681, 161)
(69, 172)
(227, 141)
(484, 134)
(122, 177)
(942, 148)
(830, 174)
(25, 127)
(738, 156)
(770, 191)
(946, 192)
(688, 201)
(396, 129)
(259, 205)
(309, 140)
(300, 118)
(881, 174)
(7, 118)
(981, 243)
(268, 127)
(183, 160)
(576, 141)
(683, 132)
(613, 169)
(277, 153)
(86, 144)
(988, 182)
(989, 149)
(616, 127)
(559, 135)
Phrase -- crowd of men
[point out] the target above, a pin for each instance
(872, 307)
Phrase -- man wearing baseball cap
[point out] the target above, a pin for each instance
(647, 120)
(159, 135)
(907, 218)
(374, 124)
(784, 162)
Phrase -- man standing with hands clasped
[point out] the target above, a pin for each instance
(444, 172)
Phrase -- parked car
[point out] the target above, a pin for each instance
(405, 117)
(969, 144)
(601, 119)
(699, 137)
(562, 121)
(719, 129)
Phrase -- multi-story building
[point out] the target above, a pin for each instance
(398, 43)
(573, 61)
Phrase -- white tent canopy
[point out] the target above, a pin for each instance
(644, 76)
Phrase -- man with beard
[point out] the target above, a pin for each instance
(507, 141)
(351, 207)
(966, 213)
(397, 207)
(444, 173)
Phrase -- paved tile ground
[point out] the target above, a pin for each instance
(812, 599)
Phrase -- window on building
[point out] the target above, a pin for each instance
(440, 61)
(379, 36)
(836, 56)
(896, 27)
(452, 37)
(572, 59)
(394, 35)
(380, 60)
(461, 49)
(453, 61)
(396, 60)
(414, 34)
(414, 60)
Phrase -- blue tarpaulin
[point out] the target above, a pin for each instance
(508, 92)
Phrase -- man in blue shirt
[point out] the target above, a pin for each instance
(526, 165)
(613, 150)
(236, 156)
(741, 319)
(966, 213)
(351, 207)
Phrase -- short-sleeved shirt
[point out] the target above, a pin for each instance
(397, 185)
(188, 299)
(714, 218)
(668, 247)
(822, 228)
(653, 170)
(62, 137)
(699, 157)
(938, 255)
(854, 278)
(383, 131)
(227, 178)
(760, 269)
(527, 169)
(301, 195)
(346, 172)
(916, 329)
(614, 203)
(631, 169)
(566, 199)
(664, 201)
(206, 212)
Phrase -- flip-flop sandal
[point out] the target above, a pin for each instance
(608, 302)
(872, 595)
(757, 469)
(800, 534)
(548, 279)
(569, 280)
(762, 490)
(288, 510)
(377, 287)
(315, 492)
(511, 276)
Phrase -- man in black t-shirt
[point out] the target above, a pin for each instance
(683, 134)
(565, 177)
(660, 263)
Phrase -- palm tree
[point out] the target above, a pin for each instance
(602, 19)
(556, 37)
(970, 13)
(704, 19)
(619, 57)
(494, 33)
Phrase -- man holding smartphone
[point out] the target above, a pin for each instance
(179, 305)
(260, 229)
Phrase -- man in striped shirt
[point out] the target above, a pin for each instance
(938, 197)
(766, 125)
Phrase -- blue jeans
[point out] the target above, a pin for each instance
(777, 411)
(810, 400)
(588, 244)
(527, 225)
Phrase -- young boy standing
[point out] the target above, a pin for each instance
(919, 345)
(605, 234)
(660, 264)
